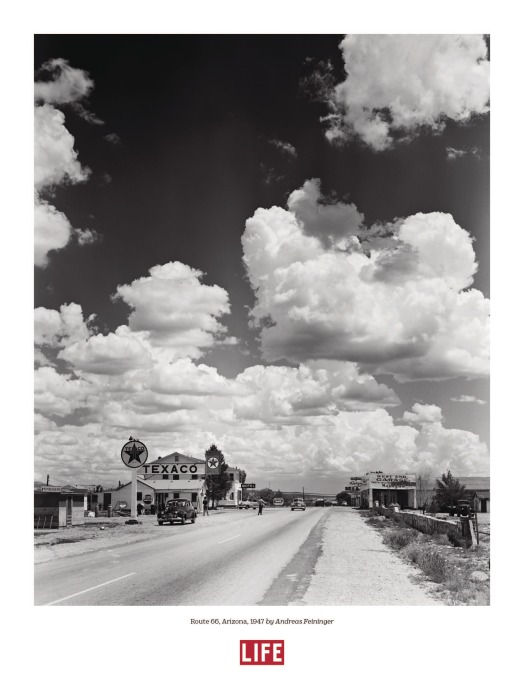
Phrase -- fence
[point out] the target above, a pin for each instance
(46, 521)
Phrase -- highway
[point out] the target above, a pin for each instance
(234, 558)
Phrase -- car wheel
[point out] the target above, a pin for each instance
(183, 520)
(171, 522)
(160, 524)
(193, 520)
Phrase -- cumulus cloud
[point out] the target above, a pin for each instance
(328, 221)
(176, 310)
(66, 84)
(287, 395)
(55, 158)
(396, 84)
(115, 354)
(422, 414)
(58, 394)
(468, 399)
(59, 328)
(324, 418)
(396, 304)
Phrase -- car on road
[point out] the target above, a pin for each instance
(177, 511)
(248, 505)
(298, 504)
(320, 502)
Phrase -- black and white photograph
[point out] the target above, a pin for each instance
(261, 325)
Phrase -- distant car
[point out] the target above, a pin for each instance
(320, 502)
(177, 511)
(248, 505)
(298, 504)
(334, 502)
(327, 503)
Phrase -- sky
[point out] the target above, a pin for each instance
(279, 244)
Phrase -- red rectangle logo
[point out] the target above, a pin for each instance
(261, 652)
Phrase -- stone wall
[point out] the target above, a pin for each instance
(426, 523)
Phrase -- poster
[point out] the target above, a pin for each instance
(245, 241)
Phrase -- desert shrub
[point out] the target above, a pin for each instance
(441, 539)
(377, 522)
(399, 539)
(433, 564)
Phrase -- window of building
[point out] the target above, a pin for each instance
(231, 476)
(194, 477)
(176, 496)
(165, 478)
(176, 477)
(139, 495)
(176, 457)
(193, 497)
(232, 496)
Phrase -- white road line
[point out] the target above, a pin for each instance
(62, 599)
(230, 538)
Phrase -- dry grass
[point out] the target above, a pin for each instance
(443, 560)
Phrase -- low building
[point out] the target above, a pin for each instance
(383, 488)
(234, 495)
(59, 505)
(166, 478)
(477, 491)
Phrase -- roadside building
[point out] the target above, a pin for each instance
(234, 495)
(59, 505)
(477, 491)
(384, 488)
(166, 478)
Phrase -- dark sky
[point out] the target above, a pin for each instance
(195, 117)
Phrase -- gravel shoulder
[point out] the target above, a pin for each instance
(357, 568)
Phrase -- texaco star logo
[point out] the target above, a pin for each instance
(213, 463)
(134, 453)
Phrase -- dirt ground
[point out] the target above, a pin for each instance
(462, 575)
(357, 568)
(99, 533)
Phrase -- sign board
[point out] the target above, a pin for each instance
(213, 462)
(392, 480)
(250, 486)
(187, 469)
(50, 489)
(134, 453)
(148, 498)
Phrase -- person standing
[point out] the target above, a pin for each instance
(260, 506)
(206, 506)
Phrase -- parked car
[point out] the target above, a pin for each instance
(320, 502)
(248, 505)
(177, 511)
(298, 504)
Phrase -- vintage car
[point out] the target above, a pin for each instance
(298, 504)
(248, 505)
(177, 511)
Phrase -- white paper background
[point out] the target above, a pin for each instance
(83, 652)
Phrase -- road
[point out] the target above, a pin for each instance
(229, 559)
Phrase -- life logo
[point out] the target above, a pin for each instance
(261, 652)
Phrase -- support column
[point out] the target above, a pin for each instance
(133, 494)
